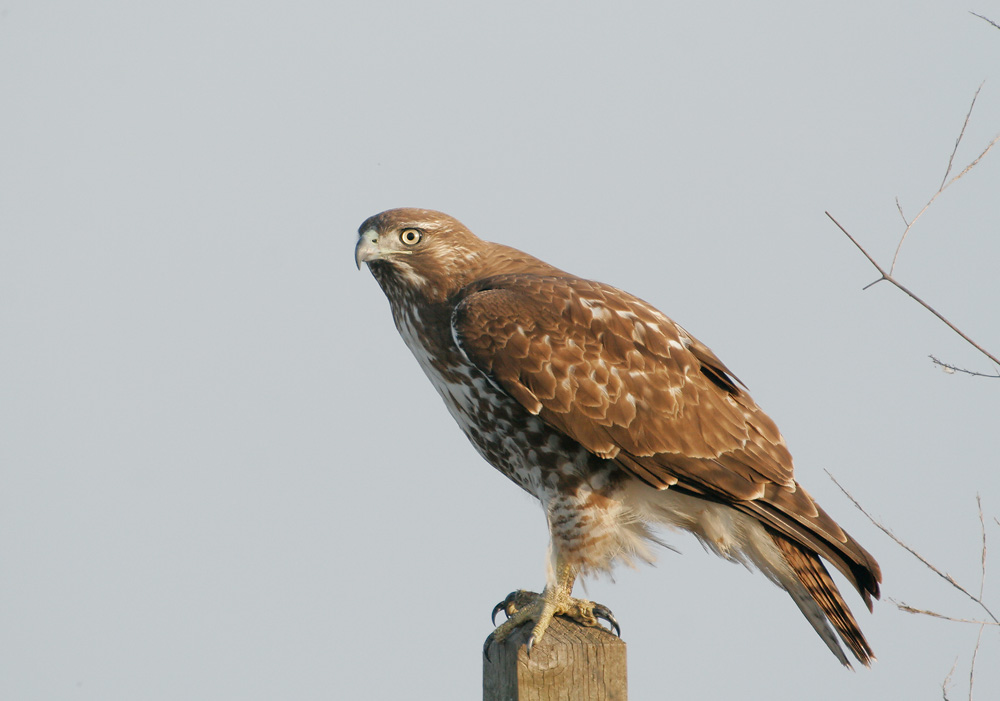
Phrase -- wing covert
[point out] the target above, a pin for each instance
(623, 380)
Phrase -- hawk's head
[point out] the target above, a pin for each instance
(418, 252)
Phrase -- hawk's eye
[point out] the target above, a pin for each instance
(410, 237)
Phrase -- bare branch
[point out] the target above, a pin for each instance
(947, 680)
(889, 278)
(944, 575)
(954, 368)
(900, 208)
(945, 182)
(885, 275)
(972, 666)
(947, 683)
(976, 160)
(987, 19)
(982, 529)
(906, 608)
(951, 158)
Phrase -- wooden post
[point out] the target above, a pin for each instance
(571, 663)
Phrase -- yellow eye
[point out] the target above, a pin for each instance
(410, 237)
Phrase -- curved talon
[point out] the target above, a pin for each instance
(521, 607)
(601, 611)
(502, 606)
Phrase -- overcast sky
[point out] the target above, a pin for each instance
(223, 476)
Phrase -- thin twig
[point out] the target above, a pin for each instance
(900, 208)
(954, 368)
(889, 278)
(945, 183)
(985, 18)
(951, 158)
(909, 223)
(906, 608)
(944, 575)
(951, 580)
(861, 248)
(972, 665)
(976, 160)
(982, 529)
(947, 680)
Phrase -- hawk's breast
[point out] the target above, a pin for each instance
(538, 458)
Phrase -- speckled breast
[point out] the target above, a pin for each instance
(540, 460)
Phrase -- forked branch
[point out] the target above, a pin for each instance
(945, 182)
(887, 275)
(977, 598)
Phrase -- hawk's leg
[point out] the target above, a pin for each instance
(522, 607)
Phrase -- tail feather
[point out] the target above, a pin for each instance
(789, 556)
(815, 581)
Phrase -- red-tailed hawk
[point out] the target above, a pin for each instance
(612, 415)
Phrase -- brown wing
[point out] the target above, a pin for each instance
(618, 376)
(629, 384)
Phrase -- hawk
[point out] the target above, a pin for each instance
(612, 415)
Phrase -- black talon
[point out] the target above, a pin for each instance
(530, 644)
(604, 612)
(502, 606)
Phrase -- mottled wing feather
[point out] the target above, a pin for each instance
(629, 384)
(619, 376)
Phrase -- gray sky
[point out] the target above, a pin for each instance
(223, 475)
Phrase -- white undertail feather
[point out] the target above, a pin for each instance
(727, 533)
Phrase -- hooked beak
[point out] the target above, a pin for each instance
(367, 249)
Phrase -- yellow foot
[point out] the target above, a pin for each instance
(521, 606)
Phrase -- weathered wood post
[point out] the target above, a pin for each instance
(571, 663)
